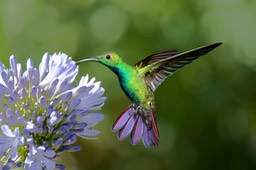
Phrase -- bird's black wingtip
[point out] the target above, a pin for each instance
(216, 44)
(210, 47)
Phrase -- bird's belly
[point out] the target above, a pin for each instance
(137, 91)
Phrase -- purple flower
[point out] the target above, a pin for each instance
(42, 113)
(40, 158)
(10, 140)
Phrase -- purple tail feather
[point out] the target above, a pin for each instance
(130, 122)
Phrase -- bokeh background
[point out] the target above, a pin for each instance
(206, 111)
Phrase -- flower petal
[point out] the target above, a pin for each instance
(7, 131)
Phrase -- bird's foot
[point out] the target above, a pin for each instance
(138, 108)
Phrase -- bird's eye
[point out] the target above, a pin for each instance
(108, 56)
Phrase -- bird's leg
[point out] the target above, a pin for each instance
(138, 108)
(134, 106)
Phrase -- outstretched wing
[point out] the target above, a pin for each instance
(159, 68)
(155, 57)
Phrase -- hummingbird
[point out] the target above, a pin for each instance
(139, 82)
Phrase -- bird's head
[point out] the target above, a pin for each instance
(109, 59)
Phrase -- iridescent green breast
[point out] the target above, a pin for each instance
(134, 85)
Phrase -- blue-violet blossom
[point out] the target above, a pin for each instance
(43, 111)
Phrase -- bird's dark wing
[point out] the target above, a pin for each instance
(158, 71)
(155, 57)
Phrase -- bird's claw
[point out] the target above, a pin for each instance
(138, 108)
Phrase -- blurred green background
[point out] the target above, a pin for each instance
(206, 111)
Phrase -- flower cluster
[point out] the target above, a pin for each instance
(42, 113)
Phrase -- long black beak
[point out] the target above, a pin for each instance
(87, 59)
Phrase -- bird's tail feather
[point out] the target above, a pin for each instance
(130, 122)
(151, 137)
